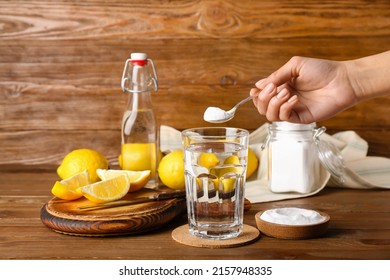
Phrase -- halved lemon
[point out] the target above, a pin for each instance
(67, 188)
(138, 179)
(108, 190)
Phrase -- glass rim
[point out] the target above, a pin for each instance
(235, 132)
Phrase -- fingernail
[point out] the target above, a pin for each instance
(282, 94)
(292, 99)
(269, 88)
(259, 83)
(254, 92)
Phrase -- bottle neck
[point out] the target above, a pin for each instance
(139, 94)
(139, 101)
(140, 79)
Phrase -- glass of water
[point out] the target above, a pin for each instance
(215, 160)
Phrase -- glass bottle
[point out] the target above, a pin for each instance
(139, 134)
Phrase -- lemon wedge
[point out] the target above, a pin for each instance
(108, 190)
(68, 188)
(138, 179)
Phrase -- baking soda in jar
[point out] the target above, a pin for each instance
(293, 162)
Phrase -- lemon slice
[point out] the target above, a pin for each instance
(138, 179)
(67, 188)
(108, 190)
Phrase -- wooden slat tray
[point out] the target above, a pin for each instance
(66, 217)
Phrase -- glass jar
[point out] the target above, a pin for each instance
(293, 162)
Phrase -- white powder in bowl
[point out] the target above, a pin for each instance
(214, 114)
(292, 216)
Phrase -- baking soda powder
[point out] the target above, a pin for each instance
(292, 216)
(214, 114)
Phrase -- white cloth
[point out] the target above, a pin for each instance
(361, 172)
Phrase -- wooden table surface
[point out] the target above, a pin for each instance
(359, 228)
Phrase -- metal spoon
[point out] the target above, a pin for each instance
(222, 116)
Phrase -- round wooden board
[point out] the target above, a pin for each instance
(66, 217)
(248, 235)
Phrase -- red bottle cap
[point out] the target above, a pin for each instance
(139, 59)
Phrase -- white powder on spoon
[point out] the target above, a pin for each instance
(214, 114)
(292, 216)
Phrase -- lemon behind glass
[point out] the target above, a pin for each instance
(253, 163)
(208, 160)
(251, 167)
(80, 160)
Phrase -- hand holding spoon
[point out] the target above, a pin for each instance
(217, 115)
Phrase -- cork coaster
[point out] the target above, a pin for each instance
(248, 235)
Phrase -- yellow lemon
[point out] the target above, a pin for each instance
(230, 161)
(108, 190)
(139, 157)
(208, 160)
(229, 184)
(67, 188)
(171, 170)
(252, 164)
(138, 179)
(206, 181)
(80, 160)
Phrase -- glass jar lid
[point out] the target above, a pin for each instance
(287, 126)
(331, 159)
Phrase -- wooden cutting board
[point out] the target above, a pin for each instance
(66, 217)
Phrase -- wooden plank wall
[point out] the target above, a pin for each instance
(61, 64)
